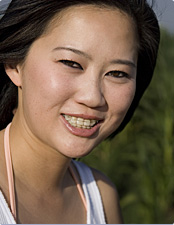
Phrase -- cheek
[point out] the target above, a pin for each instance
(44, 85)
(44, 91)
(120, 100)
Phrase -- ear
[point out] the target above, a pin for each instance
(14, 73)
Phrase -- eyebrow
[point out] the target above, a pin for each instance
(76, 51)
(124, 62)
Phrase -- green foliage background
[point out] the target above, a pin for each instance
(140, 160)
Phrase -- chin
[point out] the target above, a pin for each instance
(78, 146)
(77, 154)
(77, 151)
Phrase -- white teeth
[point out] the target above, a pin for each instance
(87, 123)
(80, 122)
(67, 117)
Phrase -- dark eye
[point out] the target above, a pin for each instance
(117, 74)
(71, 64)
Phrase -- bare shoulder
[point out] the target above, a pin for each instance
(110, 198)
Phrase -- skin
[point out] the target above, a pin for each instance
(99, 41)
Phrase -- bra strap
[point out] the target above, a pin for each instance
(75, 177)
(9, 170)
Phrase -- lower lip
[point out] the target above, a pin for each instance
(80, 131)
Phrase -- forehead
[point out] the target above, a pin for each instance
(94, 29)
(88, 10)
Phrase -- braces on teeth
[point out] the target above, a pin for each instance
(80, 122)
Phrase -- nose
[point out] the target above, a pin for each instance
(91, 92)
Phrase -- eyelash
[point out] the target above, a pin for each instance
(118, 74)
(71, 64)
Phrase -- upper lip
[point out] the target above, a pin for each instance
(88, 117)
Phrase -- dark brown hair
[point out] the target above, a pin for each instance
(26, 20)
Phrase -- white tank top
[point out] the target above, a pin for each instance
(95, 212)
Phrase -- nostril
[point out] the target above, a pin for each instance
(91, 96)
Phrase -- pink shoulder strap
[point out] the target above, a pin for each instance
(75, 177)
(9, 171)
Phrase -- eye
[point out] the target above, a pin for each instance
(118, 74)
(71, 64)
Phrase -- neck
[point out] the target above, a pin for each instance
(35, 164)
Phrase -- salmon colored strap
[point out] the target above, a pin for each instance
(9, 171)
(75, 177)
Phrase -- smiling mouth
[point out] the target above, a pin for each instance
(80, 122)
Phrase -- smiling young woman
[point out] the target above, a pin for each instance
(75, 72)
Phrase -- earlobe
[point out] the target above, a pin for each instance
(14, 73)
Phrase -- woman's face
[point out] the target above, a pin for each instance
(79, 79)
